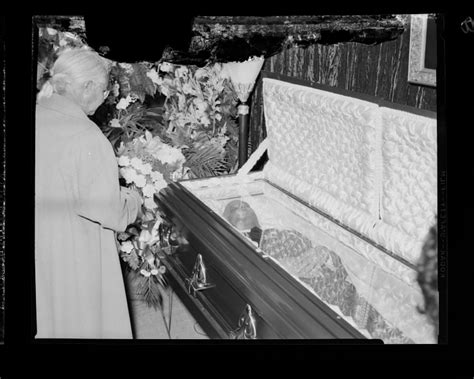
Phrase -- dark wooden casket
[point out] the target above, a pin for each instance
(342, 205)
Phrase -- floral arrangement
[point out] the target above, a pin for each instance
(191, 133)
(128, 111)
(148, 164)
(200, 111)
(139, 247)
(189, 108)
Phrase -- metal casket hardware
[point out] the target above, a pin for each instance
(198, 280)
(247, 327)
(165, 232)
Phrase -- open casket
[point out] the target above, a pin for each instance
(343, 206)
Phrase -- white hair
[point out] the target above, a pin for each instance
(74, 66)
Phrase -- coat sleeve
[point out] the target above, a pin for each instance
(99, 195)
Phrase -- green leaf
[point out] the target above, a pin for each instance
(207, 161)
(149, 289)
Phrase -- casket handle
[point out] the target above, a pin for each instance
(166, 232)
(247, 326)
(198, 280)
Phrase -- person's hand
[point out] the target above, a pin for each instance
(134, 192)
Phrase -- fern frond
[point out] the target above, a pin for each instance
(207, 161)
(149, 289)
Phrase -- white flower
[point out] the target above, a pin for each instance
(188, 89)
(136, 162)
(128, 173)
(162, 269)
(123, 160)
(146, 138)
(181, 101)
(154, 271)
(140, 180)
(115, 89)
(124, 102)
(145, 273)
(149, 239)
(62, 42)
(200, 104)
(205, 120)
(115, 123)
(176, 175)
(164, 90)
(145, 236)
(148, 190)
(149, 203)
(151, 260)
(154, 145)
(165, 67)
(159, 185)
(153, 75)
(126, 247)
(127, 66)
(169, 154)
(146, 168)
(166, 85)
(157, 176)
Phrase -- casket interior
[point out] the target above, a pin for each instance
(375, 302)
(320, 241)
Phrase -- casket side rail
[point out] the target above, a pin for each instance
(282, 307)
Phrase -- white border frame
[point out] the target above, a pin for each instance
(417, 73)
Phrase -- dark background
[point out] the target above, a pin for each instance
(454, 105)
(431, 44)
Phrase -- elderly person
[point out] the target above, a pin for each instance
(79, 204)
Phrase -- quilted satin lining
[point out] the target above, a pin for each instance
(372, 168)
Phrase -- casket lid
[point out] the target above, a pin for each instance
(354, 157)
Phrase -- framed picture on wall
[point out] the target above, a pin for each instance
(423, 55)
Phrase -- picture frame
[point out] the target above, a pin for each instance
(423, 52)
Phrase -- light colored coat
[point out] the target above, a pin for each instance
(78, 205)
